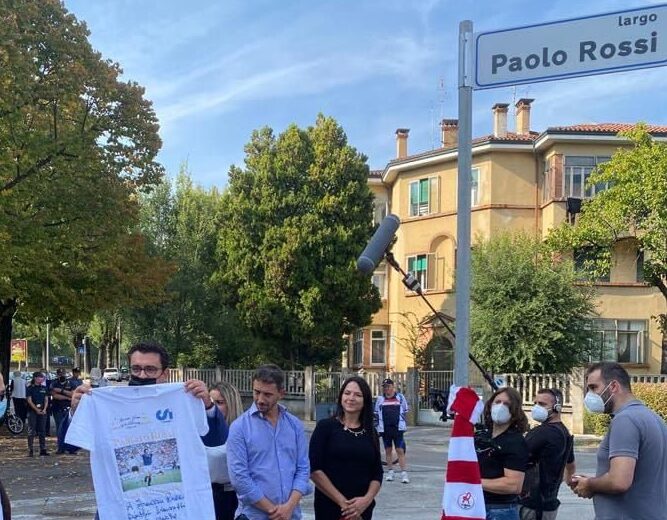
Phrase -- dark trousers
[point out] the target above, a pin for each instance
(59, 415)
(21, 407)
(36, 426)
(225, 502)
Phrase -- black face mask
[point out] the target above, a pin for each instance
(140, 381)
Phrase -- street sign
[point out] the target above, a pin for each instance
(19, 350)
(600, 44)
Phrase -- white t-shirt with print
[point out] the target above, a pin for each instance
(146, 457)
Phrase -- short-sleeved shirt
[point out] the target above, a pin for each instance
(507, 450)
(635, 431)
(38, 393)
(56, 387)
(550, 446)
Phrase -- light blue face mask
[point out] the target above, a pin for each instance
(594, 402)
(500, 413)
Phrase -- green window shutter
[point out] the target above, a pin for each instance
(423, 191)
(414, 199)
(411, 264)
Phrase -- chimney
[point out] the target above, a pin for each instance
(523, 116)
(500, 119)
(449, 137)
(402, 142)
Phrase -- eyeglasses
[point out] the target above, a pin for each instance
(149, 370)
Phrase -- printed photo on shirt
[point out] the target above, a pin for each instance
(148, 464)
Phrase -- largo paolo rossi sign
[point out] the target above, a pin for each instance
(599, 44)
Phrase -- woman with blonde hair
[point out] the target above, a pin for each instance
(228, 400)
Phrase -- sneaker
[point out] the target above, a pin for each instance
(390, 476)
(44, 453)
(404, 477)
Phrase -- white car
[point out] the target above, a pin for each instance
(111, 374)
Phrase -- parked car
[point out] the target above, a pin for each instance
(111, 374)
(124, 374)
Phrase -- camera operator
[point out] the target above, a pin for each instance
(551, 455)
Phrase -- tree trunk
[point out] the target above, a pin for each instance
(662, 326)
(7, 310)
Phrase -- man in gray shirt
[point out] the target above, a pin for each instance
(631, 477)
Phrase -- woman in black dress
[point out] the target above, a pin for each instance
(345, 459)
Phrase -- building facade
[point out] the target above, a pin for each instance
(521, 180)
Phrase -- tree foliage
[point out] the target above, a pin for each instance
(294, 219)
(528, 315)
(181, 221)
(76, 146)
(634, 206)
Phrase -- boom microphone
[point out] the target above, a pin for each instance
(378, 244)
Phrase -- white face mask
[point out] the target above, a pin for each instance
(594, 402)
(500, 414)
(539, 413)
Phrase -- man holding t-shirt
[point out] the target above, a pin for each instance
(148, 366)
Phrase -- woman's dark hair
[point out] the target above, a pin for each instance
(518, 421)
(366, 416)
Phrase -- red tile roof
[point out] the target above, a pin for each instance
(613, 128)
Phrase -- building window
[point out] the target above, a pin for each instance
(623, 341)
(358, 347)
(422, 268)
(575, 178)
(378, 347)
(474, 187)
(424, 195)
(379, 280)
(380, 210)
(640, 266)
(584, 264)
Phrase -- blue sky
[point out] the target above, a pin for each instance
(217, 69)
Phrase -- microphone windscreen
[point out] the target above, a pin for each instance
(377, 245)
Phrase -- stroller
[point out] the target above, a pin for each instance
(7, 416)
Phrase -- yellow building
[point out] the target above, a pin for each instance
(521, 180)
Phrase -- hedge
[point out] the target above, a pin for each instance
(654, 396)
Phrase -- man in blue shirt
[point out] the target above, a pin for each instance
(267, 453)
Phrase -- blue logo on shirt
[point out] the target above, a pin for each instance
(165, 415)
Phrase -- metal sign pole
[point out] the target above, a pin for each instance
(462, 343)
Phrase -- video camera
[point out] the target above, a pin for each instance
(438, 400)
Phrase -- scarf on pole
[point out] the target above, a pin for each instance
(463, 498)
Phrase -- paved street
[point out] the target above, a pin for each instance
(61, 487)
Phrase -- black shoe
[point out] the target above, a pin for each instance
(31, 453)
(44, 453)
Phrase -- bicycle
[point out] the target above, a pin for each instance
(8, 417)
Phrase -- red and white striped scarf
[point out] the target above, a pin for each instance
(463, 498)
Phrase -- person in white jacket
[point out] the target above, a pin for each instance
(390, 410)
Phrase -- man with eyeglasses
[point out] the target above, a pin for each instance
(148, 366)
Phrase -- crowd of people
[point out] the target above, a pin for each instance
(261, 463)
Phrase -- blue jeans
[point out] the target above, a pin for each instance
(510, 512)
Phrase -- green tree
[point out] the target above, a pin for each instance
(633, 207)
(77, 144)
(293, 222)
(528, 314)
(181, 222)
